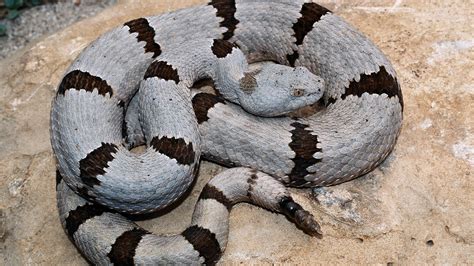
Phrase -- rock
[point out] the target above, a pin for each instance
(415, 208)
(40, 20)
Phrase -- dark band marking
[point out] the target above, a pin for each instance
(211, 192)
(202, 83)
(59, 177)
(221, 48)
(81, 214)
(292, 58)
(162, 70)
(123, 250)
(289, 207)
(302, 218)
(175, 148)
(145, 34)
(251, 181)
(124, 129)
(124, 123)
(202, 102)
(226, 9)
(80, 80)
(205, 242)
(375, 83)
(220, 161)
(310, 14)
(84, 192)
(304, 144)
(196, 169)
(96, 162)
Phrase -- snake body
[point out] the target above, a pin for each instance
(99, 178)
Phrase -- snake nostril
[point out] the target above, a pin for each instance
(298, 92)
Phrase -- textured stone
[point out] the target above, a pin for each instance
(415, 208)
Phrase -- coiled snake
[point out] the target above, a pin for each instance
(142, 72)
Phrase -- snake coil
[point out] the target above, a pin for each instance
(99, 177)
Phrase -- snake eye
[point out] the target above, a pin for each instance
(298, 92)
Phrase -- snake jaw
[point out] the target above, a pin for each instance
(302, 218)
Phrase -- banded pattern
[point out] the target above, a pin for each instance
(204, 241)
(130, 245)
(96, 162)
(81, 215)
(221, 48)
(251, 181)
(305, 145)
(80, 80)
(123, 249)
(310, 14)
(175, 148)
(146, 34)
(162, 70)
(226, 10)
(98, 177)
(202, 103)
(210, 192)
(375, 83)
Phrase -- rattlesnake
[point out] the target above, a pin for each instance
(98, 177)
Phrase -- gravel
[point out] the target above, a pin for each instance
(45, 19)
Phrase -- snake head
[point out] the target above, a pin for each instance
(275, 90)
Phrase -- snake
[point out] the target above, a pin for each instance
(136, 86)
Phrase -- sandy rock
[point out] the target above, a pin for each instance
(417, 207)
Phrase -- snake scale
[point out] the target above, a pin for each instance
(132, 86)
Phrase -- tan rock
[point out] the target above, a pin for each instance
(416, 208)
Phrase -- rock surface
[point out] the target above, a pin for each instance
(415, 208)
(44, 19)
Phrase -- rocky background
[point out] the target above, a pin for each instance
(417, 207)
(41, 20)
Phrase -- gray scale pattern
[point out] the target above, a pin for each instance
(355, 133)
